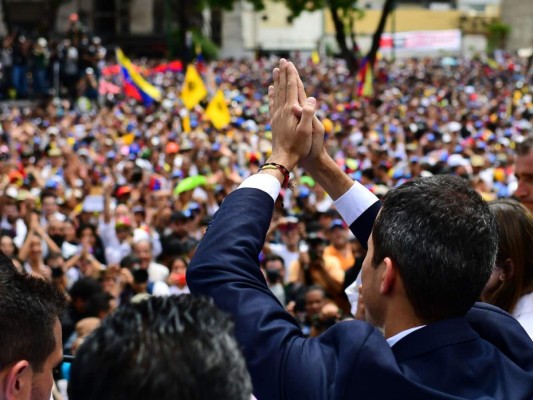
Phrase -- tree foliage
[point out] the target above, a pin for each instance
(497, 34)
(344, 13)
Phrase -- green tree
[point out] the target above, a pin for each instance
(188, 17)
(497, 34)
(344, 13)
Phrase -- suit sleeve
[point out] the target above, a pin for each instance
(226, 268)
(359, 208)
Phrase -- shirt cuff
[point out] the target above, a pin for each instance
(265, 182)
(352, 204)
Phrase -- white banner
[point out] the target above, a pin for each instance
(448, 40)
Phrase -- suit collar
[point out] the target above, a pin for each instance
(433, 336)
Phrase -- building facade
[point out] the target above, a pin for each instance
(143, 25)
(518, 14)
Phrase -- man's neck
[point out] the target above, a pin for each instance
(391, 330)
(400, 317)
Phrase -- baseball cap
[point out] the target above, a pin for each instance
(123, 190)
(180, 216)
(288, 223)
(138, 210)
(336, 223)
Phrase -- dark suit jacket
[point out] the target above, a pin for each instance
(486, 355)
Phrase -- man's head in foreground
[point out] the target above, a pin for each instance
(431, 251)
(524, 172)
(30, 334)
(162, 348)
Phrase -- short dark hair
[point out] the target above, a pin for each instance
(443, 239)
(315, 288)
(29, 309)
(271, 258)
(47, 193)
(161, 348)
(524, 147)
(99, 303)
(85, 288)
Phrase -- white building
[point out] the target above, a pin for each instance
(245, 31)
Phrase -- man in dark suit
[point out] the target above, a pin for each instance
(430, 252)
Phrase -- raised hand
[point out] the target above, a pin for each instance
(317, 162)
(317, 146)
(291, 136)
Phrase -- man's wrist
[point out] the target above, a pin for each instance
(320, 163)
(289, 162)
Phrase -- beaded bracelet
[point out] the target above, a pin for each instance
(280, 168)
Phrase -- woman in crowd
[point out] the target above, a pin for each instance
(88, 237)
(7, 245)
(510, 286)
(176, 279)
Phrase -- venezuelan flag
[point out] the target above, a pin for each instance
(134, 84)
(173, 66)
(365, 85)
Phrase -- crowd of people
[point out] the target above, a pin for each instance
(432, 246)
(33, 67)
(108, 199)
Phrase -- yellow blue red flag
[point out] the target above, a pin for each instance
(134, 84)
(365, 85)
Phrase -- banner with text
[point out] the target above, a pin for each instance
(448, 40)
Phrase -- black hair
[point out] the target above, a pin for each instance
(29, 309)
(48, 193)
(161, 348)
(315, 288)
(52, 256)
(84, 227)
(16, 249)
(369, 174)
(98, 249)
(273, 257)
(99, 303)
(129, 261)
(443, 239)
(85, 288)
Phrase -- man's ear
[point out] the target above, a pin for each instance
(389, 277)
(18, 381)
